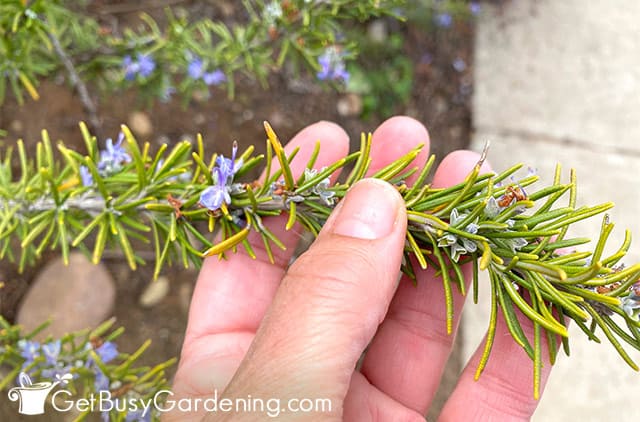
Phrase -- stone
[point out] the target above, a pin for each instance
(74, 297)
(278, 119)
(16, 126)
(199, 119)
(377, 31)
(140, 124)
(155, 292)
(349, 105)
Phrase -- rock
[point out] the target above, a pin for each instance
(226, 8)
(199, 119)
(277, 119)
(78, 296)
(349, 105)
(140, 124)
(16, 126)
(247, 114)
(155, 292)
(377, 31)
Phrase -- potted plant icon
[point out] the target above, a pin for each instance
(32, 396)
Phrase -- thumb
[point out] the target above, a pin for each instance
(330, 302)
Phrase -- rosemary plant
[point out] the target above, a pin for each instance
(183, 55)
(175, 199)
(89, 362)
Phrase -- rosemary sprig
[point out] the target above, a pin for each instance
(177, 198)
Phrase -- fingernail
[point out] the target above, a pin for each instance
(368, 211)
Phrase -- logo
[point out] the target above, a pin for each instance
(31, 396)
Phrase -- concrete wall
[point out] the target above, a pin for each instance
(559, 81)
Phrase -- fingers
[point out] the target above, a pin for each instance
(394, 138)
(330, 302)
(407, 357)
(233, 294)
(504, 390)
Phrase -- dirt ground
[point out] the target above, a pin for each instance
(440, 99)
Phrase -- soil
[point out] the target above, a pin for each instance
(440, 99)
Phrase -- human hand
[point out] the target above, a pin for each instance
(262, 330)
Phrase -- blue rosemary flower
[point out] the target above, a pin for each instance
(474, 7)
(332, 66)
(115, 153)
(214, 78)
(57, 371)
(443, 20)
(112, 158)
(29, 350)
(196, 71)
(144, 65)
(195, 68)
(228, 166)
(51, 351)
(459, 65)
(107, 351)
(224, 171)
(214, 196)
(101, 381)
(85, 176)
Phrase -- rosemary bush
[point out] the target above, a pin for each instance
(184, 55)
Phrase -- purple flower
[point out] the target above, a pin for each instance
(147, 65)
(332, 66)
(113, 156)
(51, 352)
(214, 196)
(101, 381)
(214, 78)
(108, 351)
(130, 68)
(459, 65)
(195, 68)
(116, 152)
(29, 350)
(57, 371)
(227, 167)
(144, 65)
(474, 7)
(443, 20)
(85, 176)
(196, 71)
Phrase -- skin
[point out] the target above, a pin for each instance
(273, 331)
